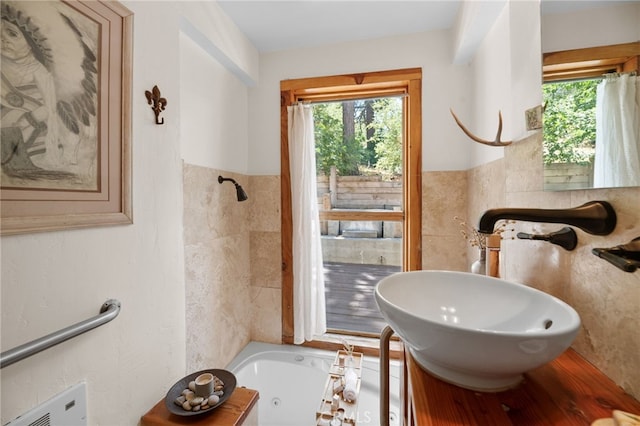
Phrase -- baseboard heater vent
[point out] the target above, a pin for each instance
(68, 408)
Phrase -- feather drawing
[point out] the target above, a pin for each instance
(84, 101)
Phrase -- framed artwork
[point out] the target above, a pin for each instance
(66, 115)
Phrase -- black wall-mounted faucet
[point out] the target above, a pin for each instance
(623, 256)
(594, 217)
(565, 238)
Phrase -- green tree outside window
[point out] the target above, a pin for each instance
(569, 132)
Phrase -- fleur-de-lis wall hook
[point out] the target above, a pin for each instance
(158, 104)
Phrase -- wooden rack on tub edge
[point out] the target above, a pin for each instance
(339, 405)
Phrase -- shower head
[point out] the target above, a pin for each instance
(240, 194)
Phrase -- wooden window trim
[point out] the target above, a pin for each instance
(590, 62)
(364, 215)
(406, 82)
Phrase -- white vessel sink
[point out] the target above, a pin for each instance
(475, 331)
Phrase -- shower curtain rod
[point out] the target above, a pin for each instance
(618, 74)
(109, 310)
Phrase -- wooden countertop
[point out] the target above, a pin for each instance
(232, 413)
(568, 391)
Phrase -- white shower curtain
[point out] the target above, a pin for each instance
(309, 316)
(617, 157)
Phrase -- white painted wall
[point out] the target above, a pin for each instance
(214, 107)
(491, 75)
(215, 32)
(55, 279)
(599, 26)
(525, 63)
(217, 64)
(506, 72)
(444, 85)
(473, 21)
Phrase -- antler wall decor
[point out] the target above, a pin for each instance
(496, 142)
(159, 103)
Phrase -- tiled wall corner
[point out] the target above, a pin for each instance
(264, 198)
(486, 189)
(266, 315)
(266, 259)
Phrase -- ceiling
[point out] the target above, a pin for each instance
(282, 25)
(273, 25)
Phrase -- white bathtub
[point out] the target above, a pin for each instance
(291, 380)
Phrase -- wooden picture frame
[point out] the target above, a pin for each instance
(66, 120)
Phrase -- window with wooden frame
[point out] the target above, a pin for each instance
(406, 83)
(570, 81)
(590, 62)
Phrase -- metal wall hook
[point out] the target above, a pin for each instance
(565, 238)
(158, 103)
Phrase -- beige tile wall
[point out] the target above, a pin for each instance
(217, 268)
(266, 259)
(444, 197)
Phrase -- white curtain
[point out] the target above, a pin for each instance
(309, 316)
(617, 157)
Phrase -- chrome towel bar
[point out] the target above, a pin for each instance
(108, 311)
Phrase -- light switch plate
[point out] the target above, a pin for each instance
(533, 118)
